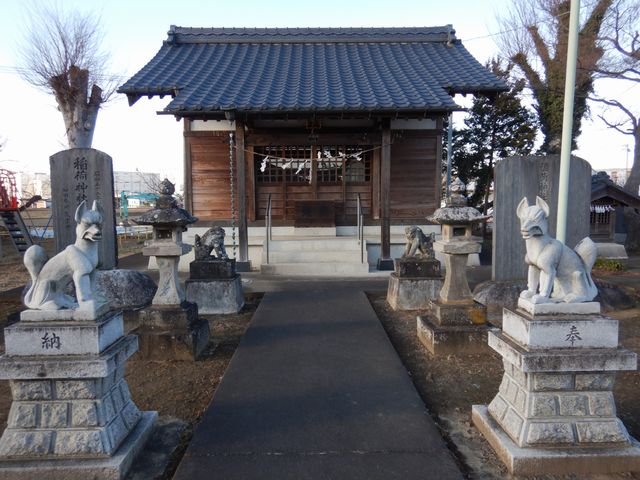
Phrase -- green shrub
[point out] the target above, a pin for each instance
(609, 265)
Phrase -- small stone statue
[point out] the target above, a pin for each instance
(563, 274)
(211, 241)
(77, 263)
(418, 244)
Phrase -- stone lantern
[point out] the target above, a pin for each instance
(168, 222)
(170, 327)
(456, 323)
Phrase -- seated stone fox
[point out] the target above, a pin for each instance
(77, 262)
(563, 274)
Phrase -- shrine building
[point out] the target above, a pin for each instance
(319, 124)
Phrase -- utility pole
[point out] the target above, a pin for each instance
(567, 121)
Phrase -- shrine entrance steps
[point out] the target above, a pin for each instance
(315, 390)
(318, 256)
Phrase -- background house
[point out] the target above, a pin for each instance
(607, 225)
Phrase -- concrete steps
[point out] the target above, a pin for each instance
(328, 256)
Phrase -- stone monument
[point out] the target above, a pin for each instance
(533, 176)
(72, 415)
(555, 412)
(455, 324)
(83, 174)
(416, 278)
(214, 284)
(170, 327)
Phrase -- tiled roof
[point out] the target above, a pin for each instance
(318, 69)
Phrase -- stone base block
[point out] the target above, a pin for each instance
(160, 450)
(461, 314)
(452, 340)
(562, 359)
(611, 251)
(92, 311)
(558, 461)
(212, 269)
(417, 267)
(243, 266)
(111, 468)
(50, 338)
(216, 296)
(565, 331)
(385, 264)
(171, 332)
(583, 308)
(412, 293)
(69, 407)
(69, 366)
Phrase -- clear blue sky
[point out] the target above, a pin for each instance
(138, 138)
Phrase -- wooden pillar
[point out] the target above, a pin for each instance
(241, 177)
(437, 175)
(375, 181)
(314, 172)
(251, 184)
(188, 178)
(385, 262)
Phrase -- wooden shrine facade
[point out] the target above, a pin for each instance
(297, 168)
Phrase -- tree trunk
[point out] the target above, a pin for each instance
(633, 182)
(552, 144)
(80, 113)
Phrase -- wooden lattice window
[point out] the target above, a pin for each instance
(601, 214)
(283, 164)
(333, 164)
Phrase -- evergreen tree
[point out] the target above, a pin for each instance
(495, 128)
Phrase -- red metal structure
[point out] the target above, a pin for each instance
(8, 190)
(10, 213)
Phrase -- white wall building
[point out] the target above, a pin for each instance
(136, 182)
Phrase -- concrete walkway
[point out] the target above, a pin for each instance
(316, 391)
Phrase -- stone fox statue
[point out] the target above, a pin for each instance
(418, 244)
(76, 263)
(563, 274)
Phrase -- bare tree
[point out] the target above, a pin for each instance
(151, 181)
(61, 53)
(621, 40)
(535, 38)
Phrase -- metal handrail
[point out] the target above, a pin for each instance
(268, 236)
(360, 226)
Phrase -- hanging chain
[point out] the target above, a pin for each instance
(232, 188)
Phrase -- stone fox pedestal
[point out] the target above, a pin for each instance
(215, 286)
(456, 324)
(555, 412)
(174, 332)
(414, 283)
(72, 416)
